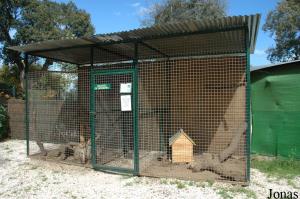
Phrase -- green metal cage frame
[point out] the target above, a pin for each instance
(96, 72)
(93, 71)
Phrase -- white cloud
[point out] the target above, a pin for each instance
(259, 52)
(142, 11)
(137, 4)
(117, 13)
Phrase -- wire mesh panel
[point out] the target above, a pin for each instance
(192, 118)
(58, 128)
(113, 121)
(191, 108)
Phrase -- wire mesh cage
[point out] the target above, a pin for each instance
(58, 115)
(191, 113)
(171, 107)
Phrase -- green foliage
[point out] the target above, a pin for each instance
(178, 10)
(231, 192)
(47, 20)
(224, 194)
(180, 184)
(281, 168)
(210, 183)
(3, 122)
(24, 21)
(51, 81)
(54, 85)
(10, 76)
(284, 25)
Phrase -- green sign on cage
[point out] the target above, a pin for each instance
(102, 87)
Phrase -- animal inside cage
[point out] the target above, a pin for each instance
(162, 102)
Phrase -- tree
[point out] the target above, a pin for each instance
(23, 22)
(10, 76)
(177, 10)
(284, 25)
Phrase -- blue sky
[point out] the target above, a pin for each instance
(118, 15)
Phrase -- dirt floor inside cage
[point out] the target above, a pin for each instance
(204, 166)
(62, 153)
(156, 164)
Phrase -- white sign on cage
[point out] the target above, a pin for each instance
(125, 102)
(125, 88)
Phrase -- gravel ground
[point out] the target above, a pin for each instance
(21, 177)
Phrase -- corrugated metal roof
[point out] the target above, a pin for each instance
(252, 21)
(273, 65)
(177, 135)
(71, 50)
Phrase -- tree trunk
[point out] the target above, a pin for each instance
(217, 163)
(238, 132)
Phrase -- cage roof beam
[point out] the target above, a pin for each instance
(106, 50)
(114, 53)
(154, 49)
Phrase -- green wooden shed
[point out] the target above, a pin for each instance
(276, 109)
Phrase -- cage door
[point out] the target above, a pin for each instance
(113, 128)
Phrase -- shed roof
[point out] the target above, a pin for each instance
(273, 65)
(168, 40)
(176, 136)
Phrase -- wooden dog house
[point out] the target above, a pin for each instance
(182, 147)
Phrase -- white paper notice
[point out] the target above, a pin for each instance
(125, 102)
(125, 88)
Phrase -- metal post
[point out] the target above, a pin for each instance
(92, 113)
(248, 108)
(136, 112)
(26, 104)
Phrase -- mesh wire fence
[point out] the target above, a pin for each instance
(206, 101)
(58, 115)
(191, 109)
(113, 120)
(15, 111)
